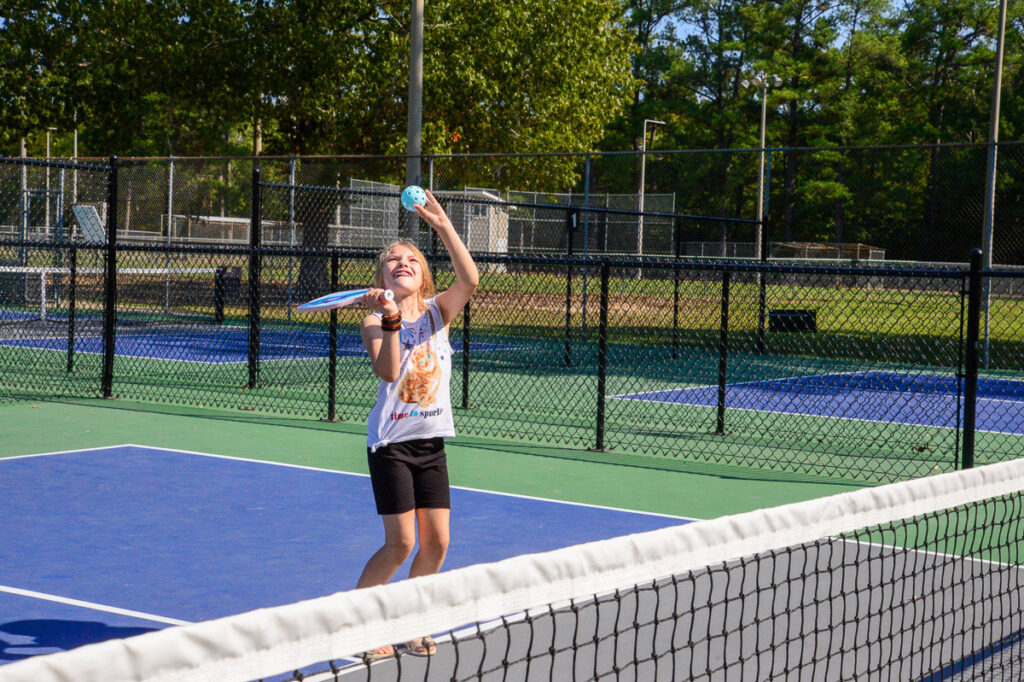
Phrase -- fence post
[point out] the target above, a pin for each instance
(762, 283)
(762, 286)
(219, 293)
(110, 304)
(602, 355)
(59, 237)
(332, 337)
(465, 356)
(571, 218)
(170, 227)
(255, 265)
(974, 287)
(723, 354)
(291, 232)
(676, 237)
(72, 304)
(586, 241)
(23, 209)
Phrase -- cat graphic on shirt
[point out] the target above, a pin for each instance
(421, 381)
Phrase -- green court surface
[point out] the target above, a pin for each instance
(522, 390)
(620, 480)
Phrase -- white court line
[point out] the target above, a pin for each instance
(121, 355)
(454, 487)
(828, 416)
(349, 473)
(1001, 400)
(930, 553)
(752, 382)
(60, 452)
(91, 605)
(756, 383)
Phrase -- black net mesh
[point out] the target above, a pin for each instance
(919, 580)
(928, 598)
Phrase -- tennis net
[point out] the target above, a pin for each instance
(919, 580)
(45, 301)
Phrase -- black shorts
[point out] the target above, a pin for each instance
(412, 474)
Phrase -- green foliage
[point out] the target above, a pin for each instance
(199, 77)
(205, 77)
(856, 72)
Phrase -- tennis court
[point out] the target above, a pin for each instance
(216, 514)
(210, 345)
(227, 534)
(876, 396)
(109, 542)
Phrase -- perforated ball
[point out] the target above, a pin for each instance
(413, 196)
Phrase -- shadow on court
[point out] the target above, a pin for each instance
(20, 639)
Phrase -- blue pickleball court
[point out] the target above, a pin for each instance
(112, 542)
(891, 397)
(216, 344)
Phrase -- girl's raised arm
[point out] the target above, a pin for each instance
(467, 278)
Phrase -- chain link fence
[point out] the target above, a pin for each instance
(922, 203)
(919, 204)
(849, 372)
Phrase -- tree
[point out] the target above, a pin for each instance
(38, 61)
(859, 89)
(718, 56)
(335, 81)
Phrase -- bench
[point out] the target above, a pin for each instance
(795, 320)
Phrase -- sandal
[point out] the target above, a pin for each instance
(378, 654)
(422, 646)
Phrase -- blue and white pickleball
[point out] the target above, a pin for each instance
(339, 299)
(413, 196)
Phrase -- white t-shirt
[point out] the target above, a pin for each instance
(417, 404)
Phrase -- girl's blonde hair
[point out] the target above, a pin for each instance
(427, 289)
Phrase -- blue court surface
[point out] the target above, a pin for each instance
(218, 345)
(891, 397)
(105, 543)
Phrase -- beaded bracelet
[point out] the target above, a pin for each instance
(391, 323)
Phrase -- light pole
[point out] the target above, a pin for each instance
(413, 143)
(761, 82)
(990, 176)
(643, 174)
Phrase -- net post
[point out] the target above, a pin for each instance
(72, 302)
(723, 354)
(332, 337)
(958, 432)
(602, 355)
(110, 298)
(254, 280)
(571, 218)
(676, 237)
(971, 365)
(465, 356)
(218, 294)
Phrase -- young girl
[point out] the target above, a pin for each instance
(407, 339)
